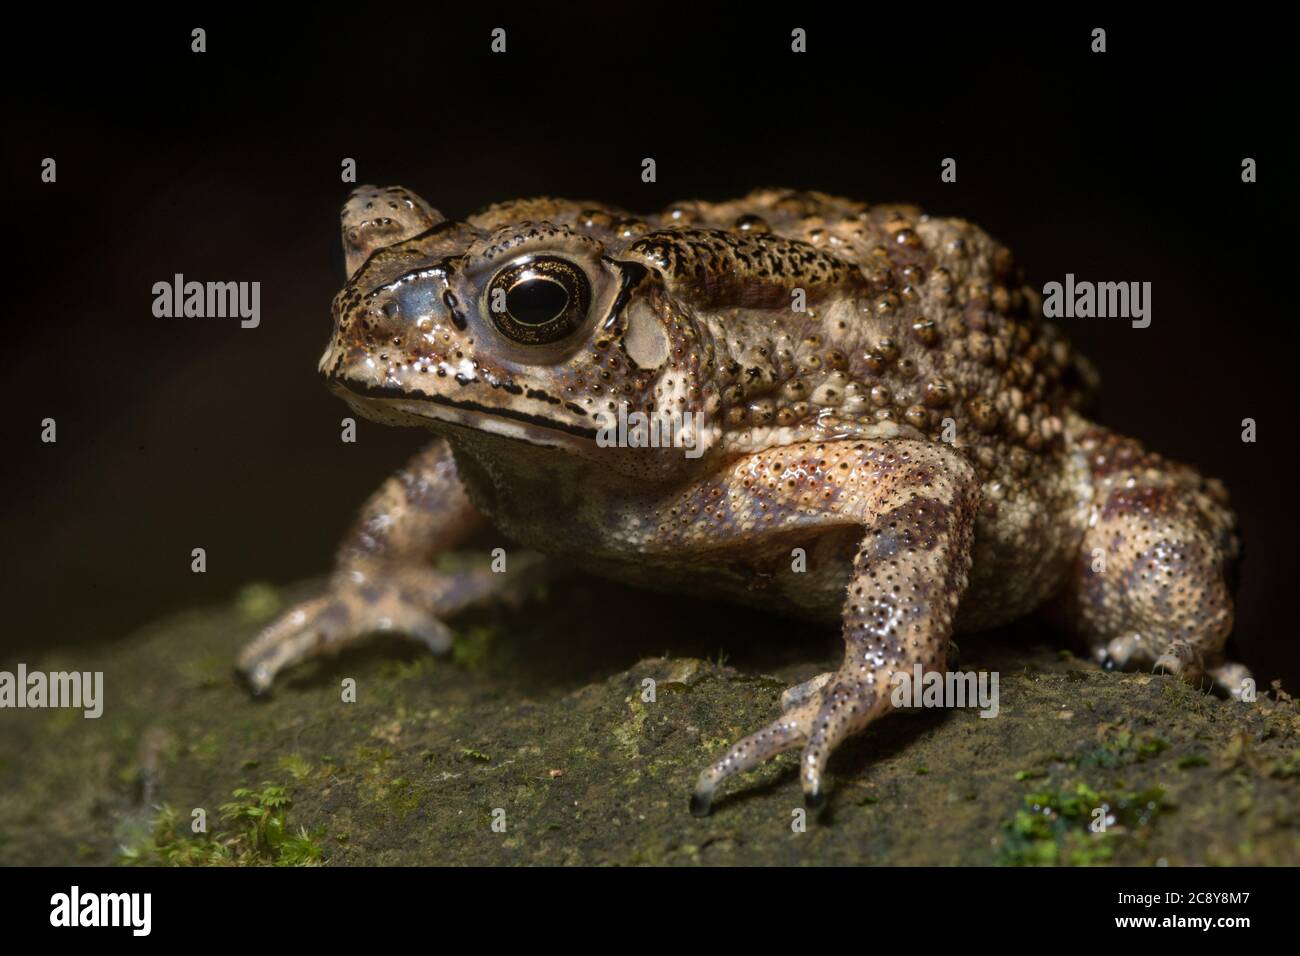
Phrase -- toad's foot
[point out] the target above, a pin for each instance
(1183, 659)
(385, 580)
(1150, 589)
(802, 693)
(908, 576)
(408, 601)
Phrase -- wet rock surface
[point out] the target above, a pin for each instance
(539, 742)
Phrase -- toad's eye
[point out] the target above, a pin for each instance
(539, 301)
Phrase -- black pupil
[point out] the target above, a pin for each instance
(537, 301)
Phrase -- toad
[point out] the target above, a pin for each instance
(866, 421)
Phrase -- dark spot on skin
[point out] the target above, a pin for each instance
(915, 525)
(336, 616)
(884, 544)
(453, 309)
(1137, 501)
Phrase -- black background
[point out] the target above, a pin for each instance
(177, 433)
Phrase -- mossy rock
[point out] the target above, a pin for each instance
(538, 723)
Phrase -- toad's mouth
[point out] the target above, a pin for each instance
(506, 422)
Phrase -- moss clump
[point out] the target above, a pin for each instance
(473, 648)
(296, 766)
(259, 836)
(1077, 827)
(1121, 745)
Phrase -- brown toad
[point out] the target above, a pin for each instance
(868, 384)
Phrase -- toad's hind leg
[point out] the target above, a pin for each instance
(384, 582)
(1151, 588)
(917, 504)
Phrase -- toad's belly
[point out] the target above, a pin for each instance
(803, 577)
(808, 577)
(1023, 544)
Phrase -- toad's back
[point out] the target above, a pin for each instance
(903, 318)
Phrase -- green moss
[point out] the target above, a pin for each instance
(258, 834)
(413, 669)
(398, 797)
(473, 649)
(296, 766)
(1287, 767)
(1121, 745)
(258, 602)
(1078, 826)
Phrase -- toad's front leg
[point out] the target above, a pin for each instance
(383, 579)
(916, 505)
